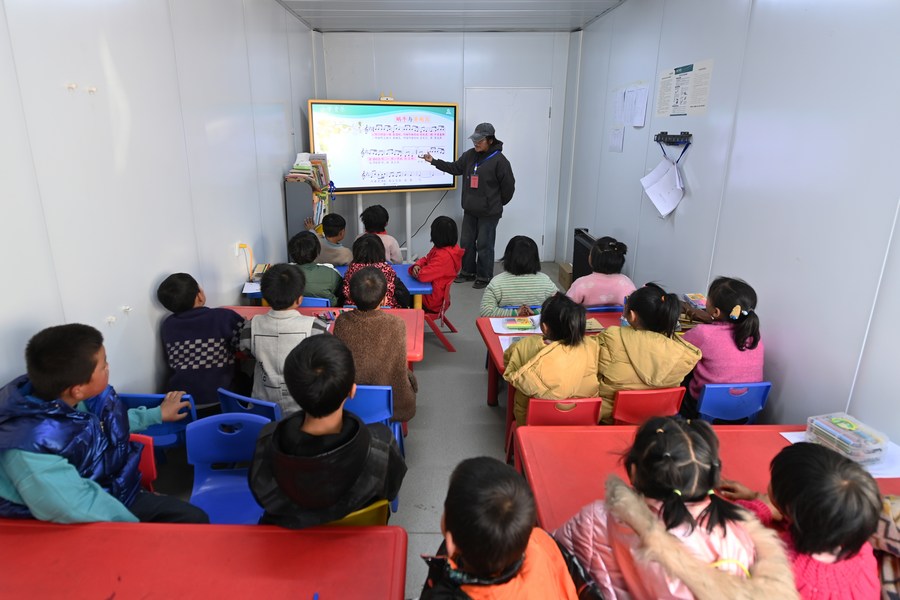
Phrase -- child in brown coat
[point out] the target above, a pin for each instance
(377, 340)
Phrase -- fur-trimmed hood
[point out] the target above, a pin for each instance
(770, 575)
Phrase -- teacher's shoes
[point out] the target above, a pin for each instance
(464, 277)
(480, 284)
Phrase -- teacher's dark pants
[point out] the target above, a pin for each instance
(477, 239)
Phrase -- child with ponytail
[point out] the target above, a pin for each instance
(560, 364)
(606, 285)
(731, 345)
(647, 354)
(669, 535)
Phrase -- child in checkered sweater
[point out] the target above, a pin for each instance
(199, 341)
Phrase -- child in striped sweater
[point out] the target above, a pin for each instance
(521, 285)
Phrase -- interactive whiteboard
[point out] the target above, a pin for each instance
(375, 146)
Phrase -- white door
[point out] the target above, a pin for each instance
(521, 119)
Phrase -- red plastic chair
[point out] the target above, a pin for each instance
(572, 411)
(432, 318)
(147, 466)
(636, 406)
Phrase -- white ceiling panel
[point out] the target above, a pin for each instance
(465, 15)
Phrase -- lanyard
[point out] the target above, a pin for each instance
(475, 170)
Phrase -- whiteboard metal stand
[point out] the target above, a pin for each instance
(408, 247)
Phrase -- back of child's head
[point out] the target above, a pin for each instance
(521, 256)
(281, 285)
(304, 247)
(831, 503)
(333, 224)
(737, 302)
(564, 319)
(677, 461)
(608, 256)
(657, 310)
(368, 249)
(490, 513)
(178, 292)
(368, 288)
(444, 232)
(59, 357)
(319, 374)
(374, 218)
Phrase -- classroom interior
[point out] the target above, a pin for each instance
(144, 138)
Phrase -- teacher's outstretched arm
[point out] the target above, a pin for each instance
(453, 168)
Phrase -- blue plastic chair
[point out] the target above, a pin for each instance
(375, 404)
(165, 435)
(605, 309)
(235, 403)
(224, 492)
(315, 302)
(740, 402)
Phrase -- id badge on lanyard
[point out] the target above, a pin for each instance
(473, 179)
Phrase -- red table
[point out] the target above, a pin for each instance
(414, 319)
(567, 466)
(496, 366)
(155, 560)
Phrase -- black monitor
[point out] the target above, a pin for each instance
(584, 241)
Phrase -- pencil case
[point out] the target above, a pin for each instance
(847, 436)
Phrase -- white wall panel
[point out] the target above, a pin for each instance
(588, 130)
(634, 49)
(874, 398)
(564, 225)
(213, 74)
(111, 165)
(303, 82)
(685, 38)
(268, 52)
(35, 302)
(808, 210)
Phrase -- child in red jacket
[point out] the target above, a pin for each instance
(440, 266)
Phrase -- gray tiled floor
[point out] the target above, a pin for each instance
(452, 422)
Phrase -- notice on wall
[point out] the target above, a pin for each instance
(631, 105)
(684, 90)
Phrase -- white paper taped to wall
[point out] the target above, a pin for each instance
(663, 186)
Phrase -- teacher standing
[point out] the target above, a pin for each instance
(488, 185)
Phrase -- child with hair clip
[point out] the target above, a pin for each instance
(730, 343)
(440, 265)
(368, 251)
(825, 507)
(560, 364)
(669, 535)
(647, 354)
(606, 285)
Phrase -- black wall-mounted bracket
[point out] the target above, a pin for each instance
(673, 139)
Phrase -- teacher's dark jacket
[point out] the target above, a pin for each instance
(496, 183)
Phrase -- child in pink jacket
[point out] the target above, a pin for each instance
(440, 266)
(671, 536)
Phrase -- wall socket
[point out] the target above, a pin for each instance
(237, 248)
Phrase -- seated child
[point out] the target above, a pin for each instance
(492, 548)
(825, 507)
(378, 342)
(64, 450)
(671, 536)
(332, 252)
(375, 220)
(323, 463)
(270, 337)
(561, 363)
(647, 354)
(521, 285)
(200, 342)
(321, 281)
(606, 285)
(440, 265)
(368, 251)
(731, 345)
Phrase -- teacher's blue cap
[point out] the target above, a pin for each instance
(482, 131)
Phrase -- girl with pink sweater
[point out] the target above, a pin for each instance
(606, 285)
(671, 536)
(825, 507)
(731, 345)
